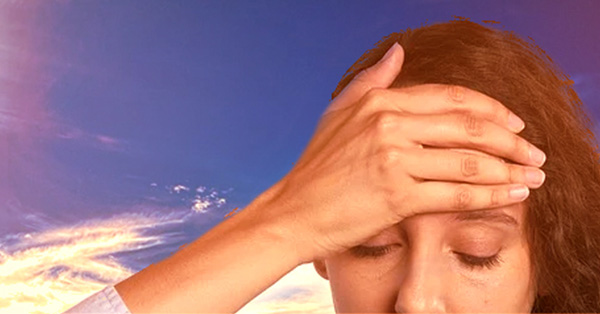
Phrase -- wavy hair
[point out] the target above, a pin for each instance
(562, 222)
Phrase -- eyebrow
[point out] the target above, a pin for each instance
(487, 216)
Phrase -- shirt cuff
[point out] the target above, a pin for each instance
(106, 301)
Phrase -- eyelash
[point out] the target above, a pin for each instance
(469, 261)
(371, 251)
(473, 262)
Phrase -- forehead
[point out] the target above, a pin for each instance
(504, 217)
(442, 225)
(511, 216)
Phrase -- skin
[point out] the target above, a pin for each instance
(423, 273)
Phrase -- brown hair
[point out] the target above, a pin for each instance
(563, 220)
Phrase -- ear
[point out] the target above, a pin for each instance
(321, 268)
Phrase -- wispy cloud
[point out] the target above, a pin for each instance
(110, 142)
(52, 270)
(56, 130)
(54, 266)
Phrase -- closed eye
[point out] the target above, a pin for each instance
(472, 262)
(362, 251)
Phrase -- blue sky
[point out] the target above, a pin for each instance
(154, 119)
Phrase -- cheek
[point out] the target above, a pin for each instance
(509, 289)
(517, 286)
(362, 286)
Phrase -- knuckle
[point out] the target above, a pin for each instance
(463, 197)
(456, 93)
(372, 95)
(474, 126)
(514, 173)
(494, 197)
(500, 109)
(469, 166)
(520, 146)
(455, 97)
(371, 101)
(384, 120)
(387, 158)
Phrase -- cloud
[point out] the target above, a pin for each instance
(50, 271)
(52, 267)
(202, 203)
(111, 143)
(62, 131)
(199, 203)
(300, 291)
(178, 188)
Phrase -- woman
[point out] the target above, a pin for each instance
(403, 199)
(562, 227)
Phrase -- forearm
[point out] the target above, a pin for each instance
(219, 272)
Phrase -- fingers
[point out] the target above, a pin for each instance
(380, 75)
(440, 98)
(458, 130)
(436, 196)
(445, 165)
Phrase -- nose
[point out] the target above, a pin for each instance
(421, 288)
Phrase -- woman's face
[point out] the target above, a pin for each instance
(438, 262)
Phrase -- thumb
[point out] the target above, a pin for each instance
(379, 75)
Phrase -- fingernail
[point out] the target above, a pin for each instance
(537, 156)
(535, 176)
(515, 123)
(519, 193)
(390, 52)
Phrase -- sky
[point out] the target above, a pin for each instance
(129, 128)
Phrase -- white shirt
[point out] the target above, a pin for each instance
(106, 300)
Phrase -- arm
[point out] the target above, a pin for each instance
(244, 255)
(219, 272)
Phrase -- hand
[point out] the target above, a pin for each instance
(372, 161)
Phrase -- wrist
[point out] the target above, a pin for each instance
(273, 219)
